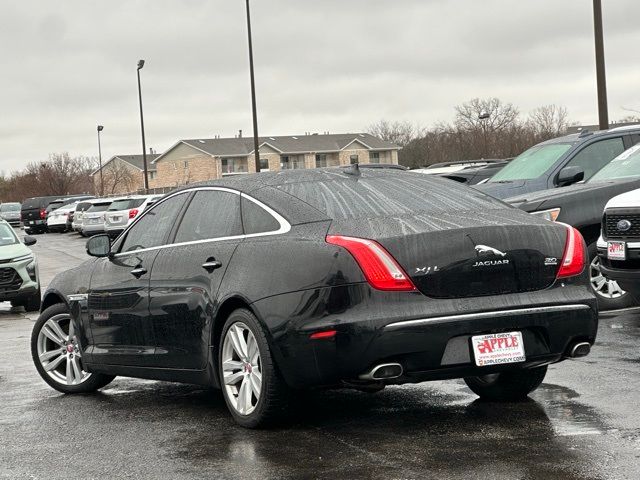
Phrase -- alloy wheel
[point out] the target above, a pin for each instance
(59, 352)
(601, 285)
(241, 368)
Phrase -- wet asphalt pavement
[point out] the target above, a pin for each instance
(582, 423)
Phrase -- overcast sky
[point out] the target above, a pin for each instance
(321, 65)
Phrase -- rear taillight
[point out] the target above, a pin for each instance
(43, 213)
(575, 256)
(133, 212)
(379, 267)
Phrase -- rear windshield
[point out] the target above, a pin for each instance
(99, 207)
(403, 194)
(35, 202)
(10, 207)
(532, 163)
(624, 166)
(7, 236)
(126, 204)
(54, 205)
(82, 206)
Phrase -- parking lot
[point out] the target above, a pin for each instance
(582, 423)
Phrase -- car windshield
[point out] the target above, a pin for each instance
(7, 236)
(10, 207)
(532, 163)
(625, 165)
(126, 204)
(99, 207)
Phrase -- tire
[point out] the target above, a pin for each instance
(83, 382)
(507, 386)
(33, 303)
(273, 392)
(609, 294)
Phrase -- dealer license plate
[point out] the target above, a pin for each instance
(616, 251)
(498, 348)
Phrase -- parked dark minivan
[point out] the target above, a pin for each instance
(560, 161)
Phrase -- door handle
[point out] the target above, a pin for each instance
(211, 264)
(138, 272)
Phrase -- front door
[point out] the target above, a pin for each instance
(187, 275)
(118, 301)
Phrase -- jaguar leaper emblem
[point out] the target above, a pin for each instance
(623, 225)
(483, 249)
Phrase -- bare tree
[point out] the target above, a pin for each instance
(548, 121)
(400, 133)
(117, 177)
(498, 116)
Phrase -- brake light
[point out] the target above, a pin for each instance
(574, 258)
(43, 213)
(326, 334)
(133, 212)
(379, 267)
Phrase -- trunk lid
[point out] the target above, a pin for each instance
(467, 254)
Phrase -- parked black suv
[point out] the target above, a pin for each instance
(560, 162)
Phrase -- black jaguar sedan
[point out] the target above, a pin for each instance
(348, 277)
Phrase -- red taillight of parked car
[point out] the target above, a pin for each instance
(43, 213)
(379, 267)
(133, 212)
(575, 256)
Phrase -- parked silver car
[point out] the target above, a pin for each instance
(93, 218)
(81, 207)
(123, 211)
(10, 211)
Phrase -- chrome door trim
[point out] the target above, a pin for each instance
(484, 315)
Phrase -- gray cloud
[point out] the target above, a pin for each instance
(334, 65)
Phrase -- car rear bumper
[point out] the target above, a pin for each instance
(429, 344)
(93, 229)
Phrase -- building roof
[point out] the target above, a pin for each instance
(133, 160)
(290, 144)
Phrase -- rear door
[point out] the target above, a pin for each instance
(119, 290)
(186, 277)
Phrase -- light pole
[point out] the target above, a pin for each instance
(144, 146)
(603, 114)
(100, 128)
(253, 94)
(484, 117)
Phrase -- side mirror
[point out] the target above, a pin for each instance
(28, 240)
(569, 175)
(99, 246)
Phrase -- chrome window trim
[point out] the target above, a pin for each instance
(483, 315)
(285, 226)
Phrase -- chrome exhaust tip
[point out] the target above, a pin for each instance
(581, 349)
(384, 371)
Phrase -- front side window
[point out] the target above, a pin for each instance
(626, 165)
(596, 155)
(153, 228)
(211, 214)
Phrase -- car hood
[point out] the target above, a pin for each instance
(555, 197)
(501, 189)
(8, 252)
(628, 199)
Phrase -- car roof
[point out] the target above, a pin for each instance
(586, 135)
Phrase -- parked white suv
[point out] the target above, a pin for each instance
(81, 207)
(58, 219)
(123, 211)
(93, 218)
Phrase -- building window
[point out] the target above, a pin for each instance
(353, 159)
(264, 165)
(231, 166)
(321, 160)
(186, 164)
(291, 162)
(374, 157)
(153, 175)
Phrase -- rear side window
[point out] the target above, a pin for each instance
(595, 156)
(211, 214)
(256, 219)
(154, 226)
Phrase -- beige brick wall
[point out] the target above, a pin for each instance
(345, 156)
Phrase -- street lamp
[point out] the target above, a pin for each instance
(484, 117)
(603, 114)
(253, 94)
(100, 128)
(144, 146)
